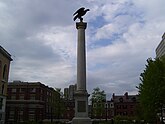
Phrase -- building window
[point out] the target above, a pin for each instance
(41, 98)
(32, 114)
(13, 90)
(0, 68)
(124, 106)
(121, 99)
(1, 103)
(32, 97)
(5, 72)
(23, 90)
(3, 86)
(124, 113)
(11, 115)
(0, 116)
(106, 105)
(111, 105)
(21, 97)
(32, 90)
(13, 97)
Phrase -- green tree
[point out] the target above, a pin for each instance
(98, 100)
(152, 89)
(57, 104)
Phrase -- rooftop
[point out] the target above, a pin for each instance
(5, 53)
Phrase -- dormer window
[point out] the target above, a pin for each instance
(121, 99)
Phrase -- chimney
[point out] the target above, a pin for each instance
(163, 37)
(126, 95)
(113, 96)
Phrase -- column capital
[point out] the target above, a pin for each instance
(81, 25)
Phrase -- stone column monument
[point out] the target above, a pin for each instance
(81, 95)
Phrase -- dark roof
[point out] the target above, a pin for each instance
(19, 83)
(125, 98)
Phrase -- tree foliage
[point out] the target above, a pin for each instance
(98, 100)
(152, 88)
(58, 105)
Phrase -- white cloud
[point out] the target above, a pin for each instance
(42, 36)
(62, 40)
(106, 31)
(44, 71)
(124, 59)
(154, 8)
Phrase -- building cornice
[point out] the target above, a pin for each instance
(5, 53)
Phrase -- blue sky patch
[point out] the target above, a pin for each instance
(98, 22)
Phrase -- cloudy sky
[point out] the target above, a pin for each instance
(42, 38)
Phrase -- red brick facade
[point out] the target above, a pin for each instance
(125, 105)
(70, 109)
(29, 102)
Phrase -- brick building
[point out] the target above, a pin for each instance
(70, 109)
(30, 101)
(5, 59)
(109, 109)
(125, 105)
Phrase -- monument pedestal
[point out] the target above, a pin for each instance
(80, 120)
(81, 108)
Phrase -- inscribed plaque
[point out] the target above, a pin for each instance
(81, 106)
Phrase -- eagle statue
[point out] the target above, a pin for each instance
(79, 13)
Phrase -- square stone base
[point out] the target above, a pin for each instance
(78, 120)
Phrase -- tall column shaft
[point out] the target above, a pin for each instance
(81, 57)
(81, 95)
